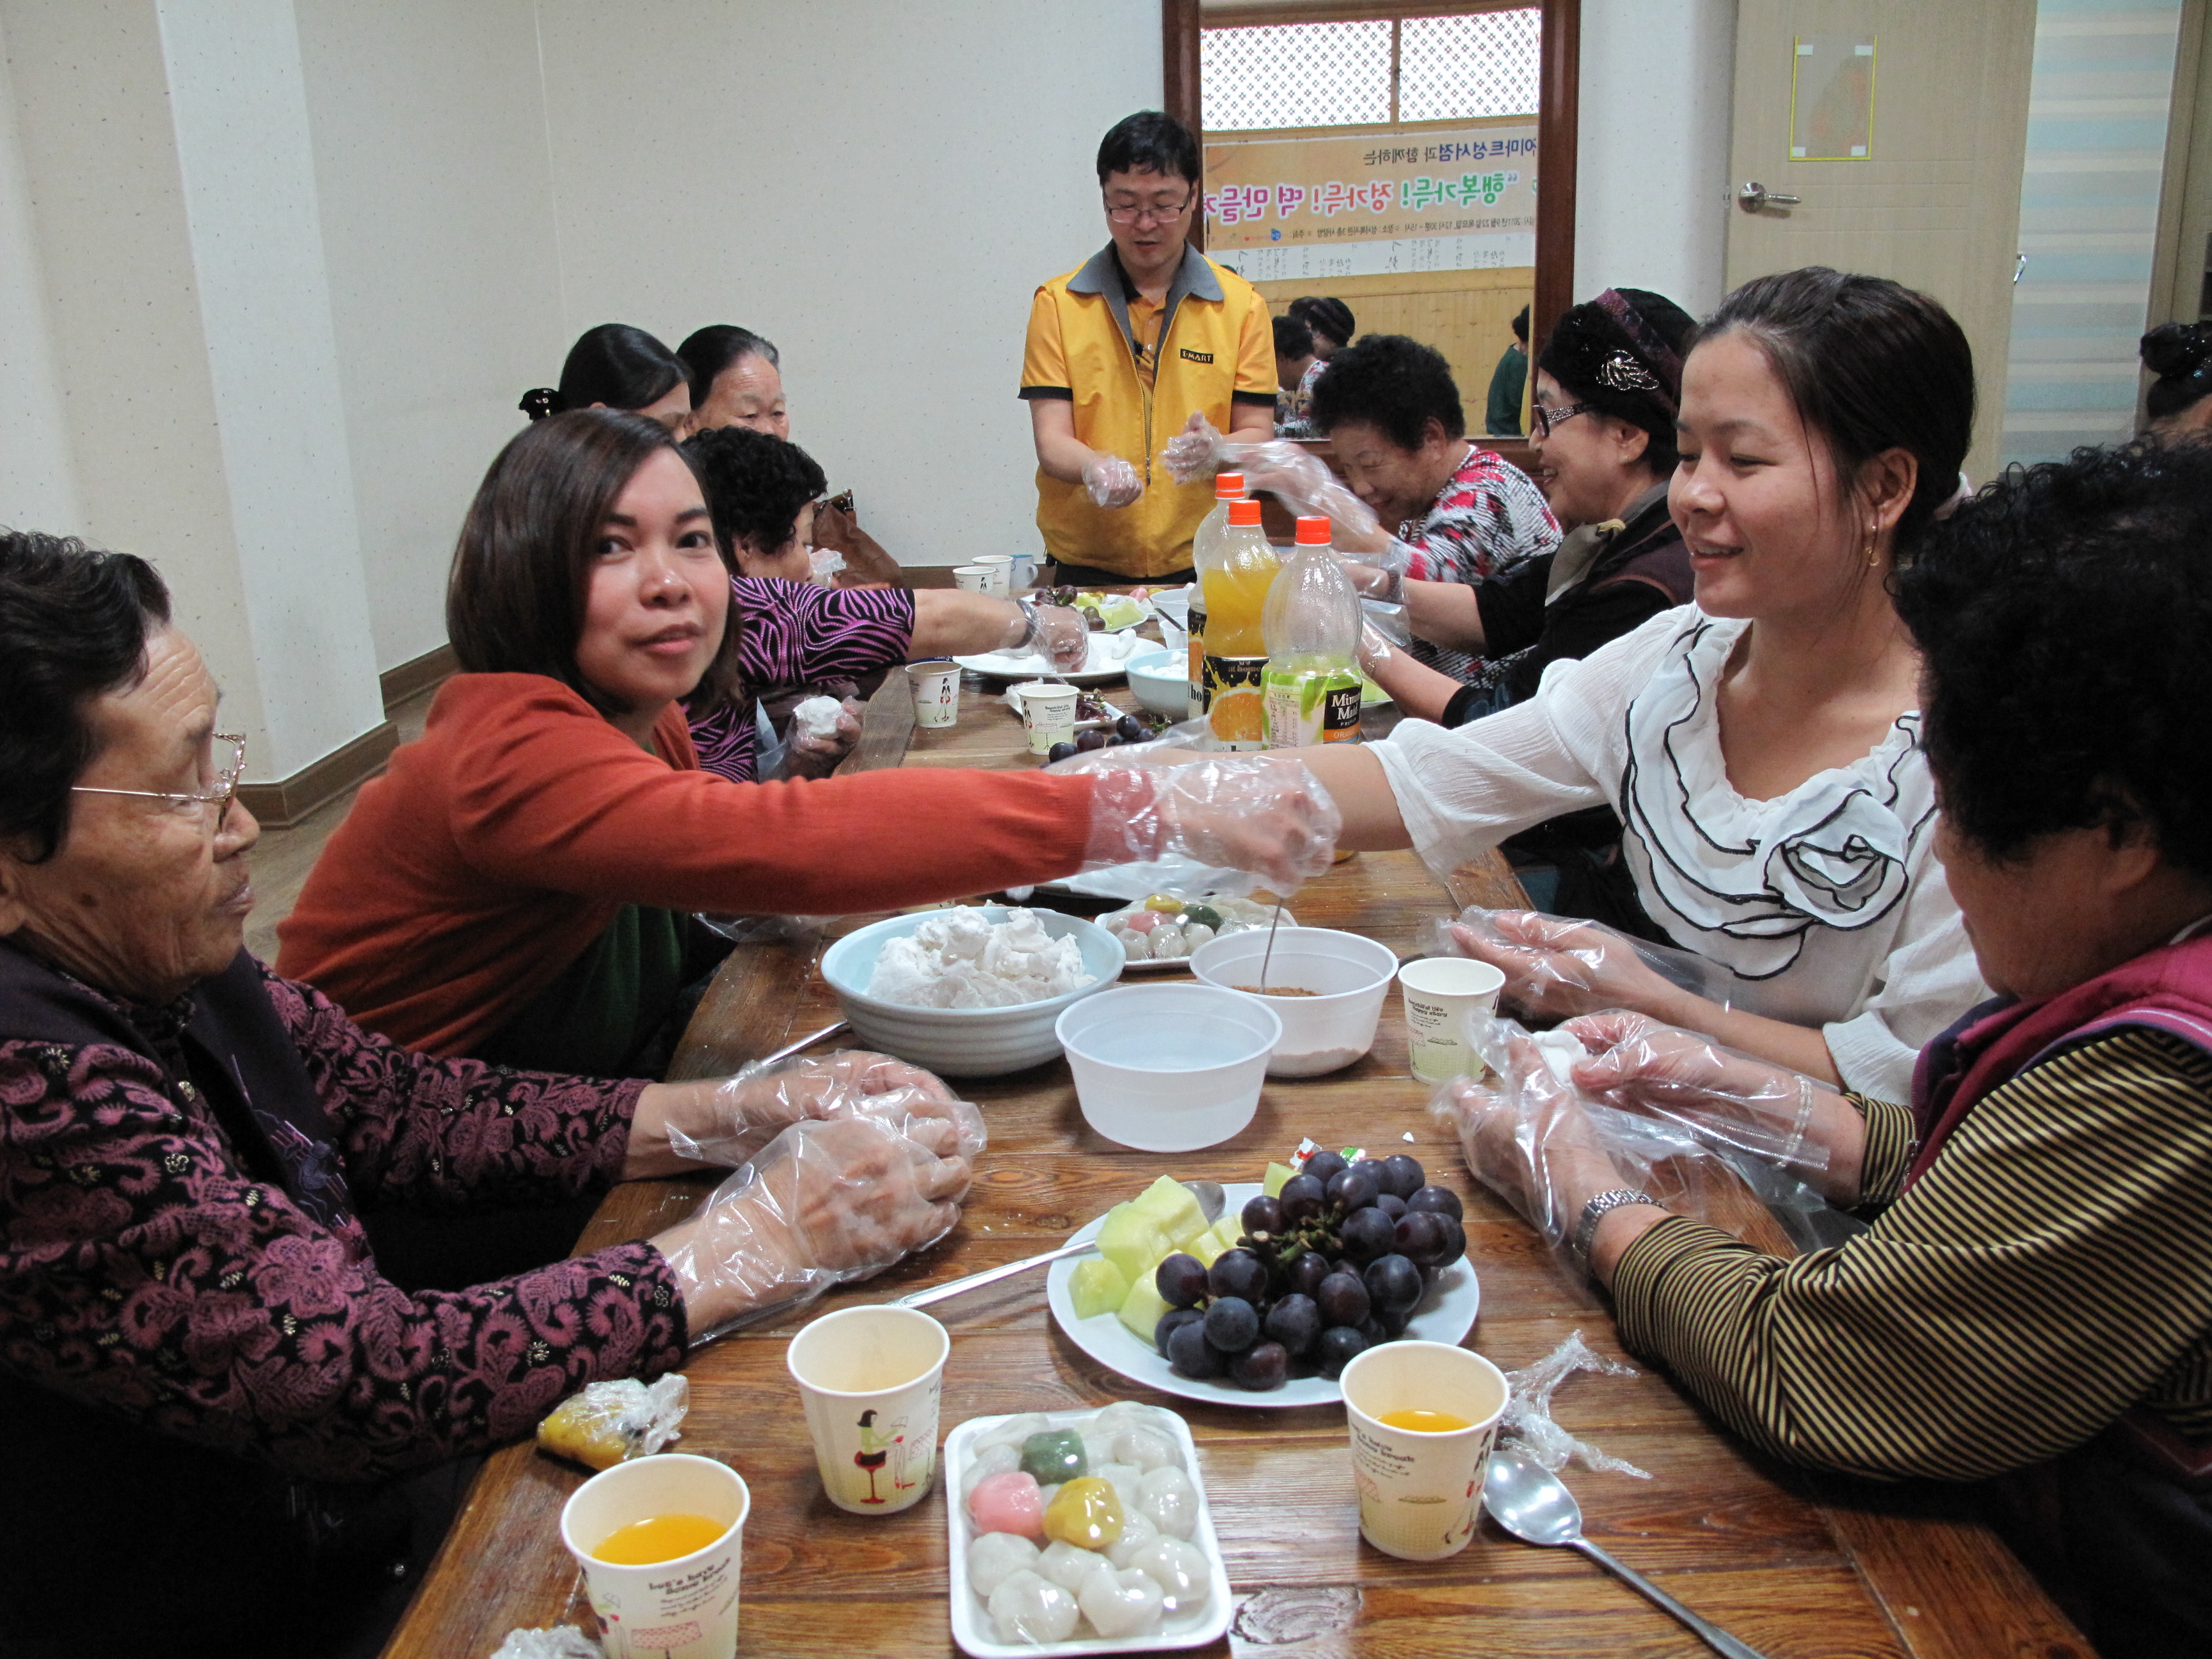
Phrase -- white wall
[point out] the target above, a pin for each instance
(1651, 177)
(38, 480)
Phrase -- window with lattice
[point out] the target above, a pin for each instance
(1371, 71)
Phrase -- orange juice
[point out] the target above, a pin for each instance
(1235, 594)
(659, 1538)
(1419, 1421)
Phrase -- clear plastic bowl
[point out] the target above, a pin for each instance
(1322, 1033)
(1168, 1068)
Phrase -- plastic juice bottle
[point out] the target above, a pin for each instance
(1206, 544)
(1312, 685)
(1235, 592)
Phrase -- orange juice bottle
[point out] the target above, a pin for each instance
(1206, 544)
(1235, 593)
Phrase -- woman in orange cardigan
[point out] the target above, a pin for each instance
(518, 885)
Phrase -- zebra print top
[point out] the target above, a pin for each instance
(2052, 1269)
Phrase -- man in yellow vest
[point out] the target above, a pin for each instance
(1123, 352)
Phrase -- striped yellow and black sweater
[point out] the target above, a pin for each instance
(2049, 1270)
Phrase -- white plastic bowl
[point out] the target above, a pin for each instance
(962, 1041)
(1322, 1033)
(1168, 1068)
(1161, 680)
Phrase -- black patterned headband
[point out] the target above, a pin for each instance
(1622, 372)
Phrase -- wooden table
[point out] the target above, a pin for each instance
(1795, 1565)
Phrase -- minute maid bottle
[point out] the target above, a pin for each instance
(1312, 625)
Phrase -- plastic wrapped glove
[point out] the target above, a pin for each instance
(1381, 575)
(1376, 650)
(729, 1121)
(1057, 632)
(1266, 814)
(823, 732)
(1194, 453)
(1555, 967)
(825, 1202)
(1111, 481)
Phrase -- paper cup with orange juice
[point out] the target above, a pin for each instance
(661, 1542)
(1422, 1417)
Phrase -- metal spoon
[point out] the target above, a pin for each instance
(1535, 1505)
(1212, 1201)
(1268, 954)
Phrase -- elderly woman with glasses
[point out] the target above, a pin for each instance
(200, 1363)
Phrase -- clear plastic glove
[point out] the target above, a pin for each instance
(1057, 632)
(1112, 481)
(1194, 453)
(1381, 575)
(1266, 814)
(824, 1203)
(729, 1122)
(816, 745)
(1376, 652)
(1555, 967)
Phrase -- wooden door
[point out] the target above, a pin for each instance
(1934, 200)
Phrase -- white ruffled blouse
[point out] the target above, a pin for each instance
(1823, 907)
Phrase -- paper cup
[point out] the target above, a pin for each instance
(1049, 711)
(1024, 571)
(869, 1378)
(936, 692)
(1001, 567)
(685, 1608)
(972, 578)
(1419, 1492)
(1441, 994)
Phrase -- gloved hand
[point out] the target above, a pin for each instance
(1266, 814)
(1379, 575)
(1555, 967)
(1376, 652)
(1111, 481)
(727, 1121)
(1055, 631)
(824, 1203)
(1194, 452)
(814, 752)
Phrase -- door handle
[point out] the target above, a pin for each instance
(1753, 197)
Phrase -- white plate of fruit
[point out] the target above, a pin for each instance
(1263, 1329)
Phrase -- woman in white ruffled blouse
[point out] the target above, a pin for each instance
(1760, 745)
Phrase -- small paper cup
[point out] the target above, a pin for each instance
(685, 1608)
(1049, 711)
(1024, 571)
(936, 693)
(1441, 994)
(972, 578)
(1001, 567)
(1419, 1492)
(870, 1378)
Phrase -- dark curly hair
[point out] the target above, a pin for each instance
(2180, 354)
(73, 627)
(1325, 314)
(2063, 615)
(1622, 353)
(1293, 339)
(1396, 385)
(755, 484)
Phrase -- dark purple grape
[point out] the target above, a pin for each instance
(1112, 740)
(1342, 1299)
(1263, 1214)
(1338, 1346)
(1061, 751)
(1171, 1321)
(1351, 1190)
(1238, 1274)
(1393, 1282)
(1260, 1367)
(1232, 1324)
(1441, 1199)
(1370, 1329)
(1181, 1280)
(1294, 1321)
(1306, 1270)
(1393, 1322)
(1301, 1197)
(1344, 1264)
(1324, 1164)
(1189, 1354)
(1391, 1204)
(1131, 729)
(1373, 1169)
(1368, 1234)
(1089, 742)
(1454, 1245)
(1402, 1174)
(1420, 1237)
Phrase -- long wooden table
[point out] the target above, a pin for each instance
(1795, 1565)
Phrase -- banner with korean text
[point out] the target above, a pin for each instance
(1368, 203)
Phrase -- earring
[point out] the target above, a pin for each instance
(1873, 557)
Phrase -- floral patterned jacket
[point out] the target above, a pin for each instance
(179, 1250)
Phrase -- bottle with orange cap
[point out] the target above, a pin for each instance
(1236, 652)
(1205, 545)
(1311, 688)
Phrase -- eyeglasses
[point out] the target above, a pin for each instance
(1137, 213)
(220, 797)
(1543, 418)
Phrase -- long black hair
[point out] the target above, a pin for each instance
(614, 364)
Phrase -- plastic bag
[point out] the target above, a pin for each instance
(758, 1103)
(1528, 1417)
(1560, 966)
(767, 930)
(610, 1423)
(561, 1641)
(817, 718)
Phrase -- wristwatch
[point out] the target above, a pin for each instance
(1596, 1209)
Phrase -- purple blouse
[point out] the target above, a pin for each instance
(797, 635)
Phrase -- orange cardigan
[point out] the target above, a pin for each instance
(495, 850)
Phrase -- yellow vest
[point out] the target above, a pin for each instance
(1210, 316)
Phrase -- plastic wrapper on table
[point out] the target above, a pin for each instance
(1558, 966)
(1528, 1418)
(758, 1103)
(610, 1423)
(562, 1641)
(767, 930)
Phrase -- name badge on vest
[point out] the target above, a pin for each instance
(1197, 356)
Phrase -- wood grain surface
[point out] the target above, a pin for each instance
(1795, 1566)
